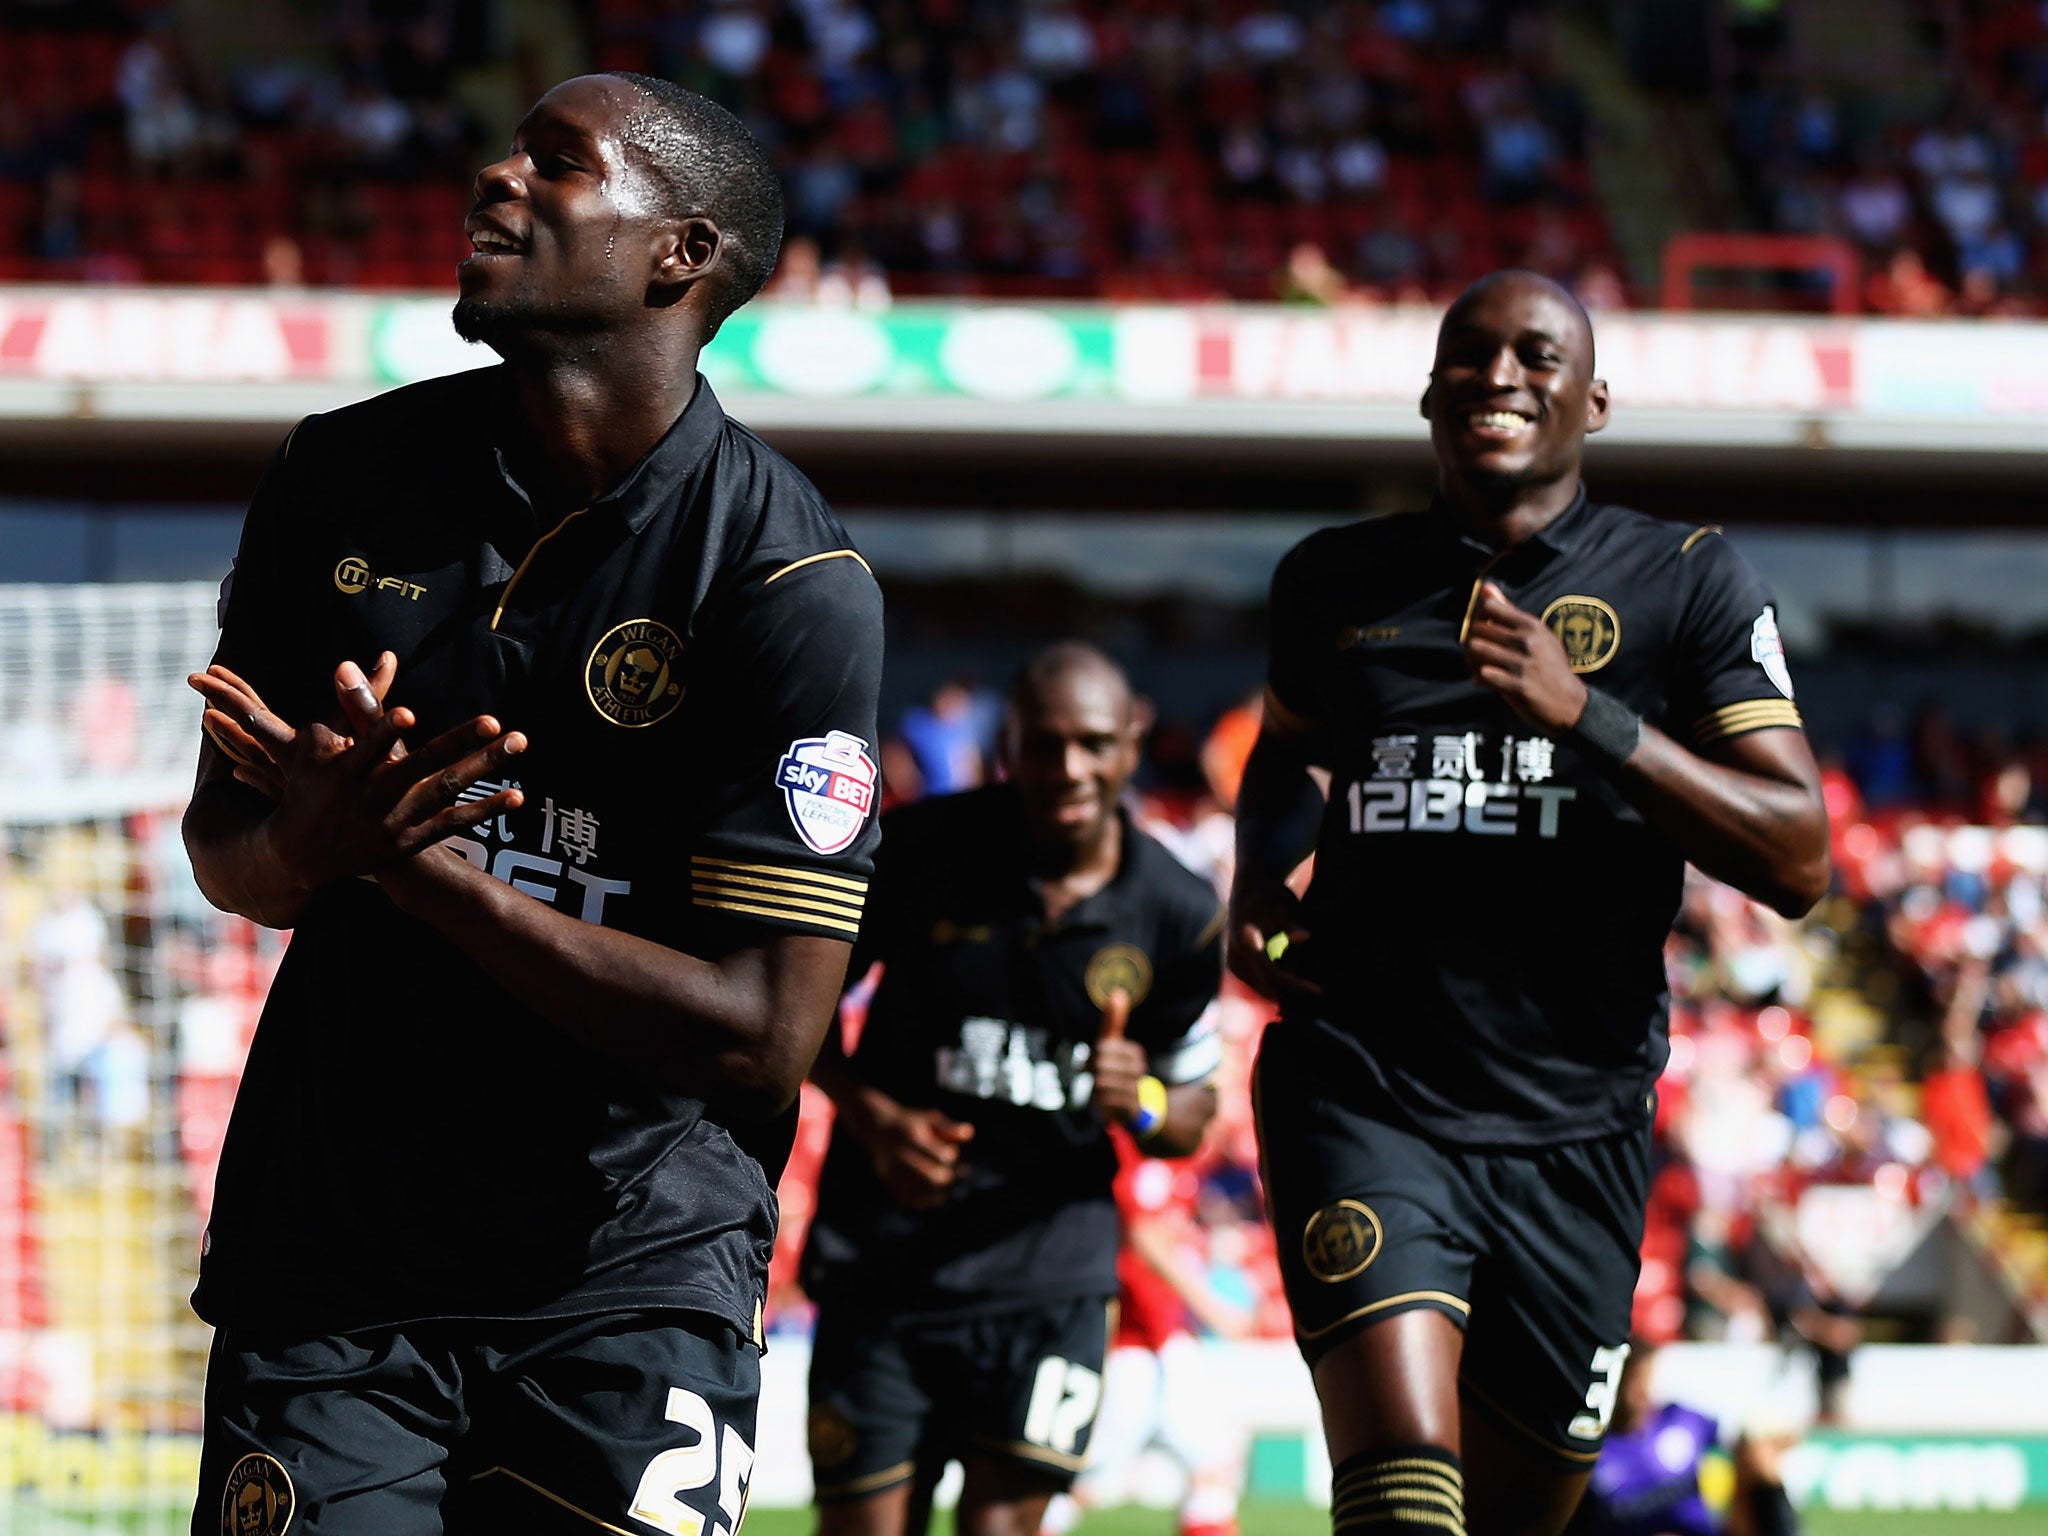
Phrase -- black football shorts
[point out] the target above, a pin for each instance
(891, 1395)
(1533, 1251)
(627, 1421)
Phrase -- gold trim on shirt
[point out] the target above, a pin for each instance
(505, 596)
(830, 554)
(771, 890)
(1740, 719)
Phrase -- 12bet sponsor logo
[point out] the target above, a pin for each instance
(1488, 788)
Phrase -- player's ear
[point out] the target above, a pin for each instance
(1143, 716)
(1428, 390)
(1596, 405)
(686, 251)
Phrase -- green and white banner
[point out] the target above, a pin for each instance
(1346, 374)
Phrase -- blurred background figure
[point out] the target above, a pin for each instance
(1659, 1459)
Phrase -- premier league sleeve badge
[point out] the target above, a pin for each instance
(828, 782)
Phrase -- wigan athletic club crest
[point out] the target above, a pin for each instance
(1341, 1240)
(258, 1501)
(634, 676)
(1589, 630)
(829, 783)
(1119, 968)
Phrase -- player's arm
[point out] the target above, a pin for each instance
(741, 1029)
(1153, 1063)
(802, 658)
(916, 1152)
(1745, 805)
(1280, 802)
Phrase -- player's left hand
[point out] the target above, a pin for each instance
(1117, 1063)
(259, 740)
(1515, 654)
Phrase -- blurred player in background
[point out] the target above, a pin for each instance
(1047, 972)
(1649, 1476)
(494, 1214)
(1161, 1387)
(1532, 710)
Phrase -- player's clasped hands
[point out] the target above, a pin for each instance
(351, 804)
(1515, 654)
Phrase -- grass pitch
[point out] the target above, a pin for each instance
(1301, 1520)
(1254, 1520)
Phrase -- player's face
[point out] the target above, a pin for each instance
(1071, 747)
(562, 230)
(1512, 395)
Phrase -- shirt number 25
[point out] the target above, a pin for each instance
(673, 1473)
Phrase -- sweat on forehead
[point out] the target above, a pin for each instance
(1533, 284)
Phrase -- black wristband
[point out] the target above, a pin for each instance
(1608, 728)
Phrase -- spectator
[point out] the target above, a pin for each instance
(951, 737)
(1309, 278)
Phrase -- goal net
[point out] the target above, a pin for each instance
(126, 1006)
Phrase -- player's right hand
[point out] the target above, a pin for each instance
(915, 1152)
(351, 805)
(1264, 928)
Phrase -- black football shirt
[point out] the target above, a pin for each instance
(1487, 914)
(988, 1013)
(694, 659)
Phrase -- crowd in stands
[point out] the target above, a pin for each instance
(1116, 148)
(1947, 206)
(1351, 151)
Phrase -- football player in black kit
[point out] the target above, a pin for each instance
(1047, 971)
(1533, 710)
(573, 871)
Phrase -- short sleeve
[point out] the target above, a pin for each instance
(1731, 677)
(790, 841)
(1178, 1023)
(261, 603)
(1293, 707)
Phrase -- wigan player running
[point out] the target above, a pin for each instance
(1533, 709)
(1047, 971)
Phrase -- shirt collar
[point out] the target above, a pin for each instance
(1560, 535)
(656, 482)
(1094, 910)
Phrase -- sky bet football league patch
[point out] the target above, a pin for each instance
(829, 784)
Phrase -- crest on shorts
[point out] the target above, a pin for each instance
(1119, 968)
(1341, 1240)
(1589, 630)
(259, 1498)
(1767, 650)
(828, 783)
(831, 1435)
(634, 676)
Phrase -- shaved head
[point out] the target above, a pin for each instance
(1524, 279)
(1512, 394)
(1071, 745)
(1068, 660)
